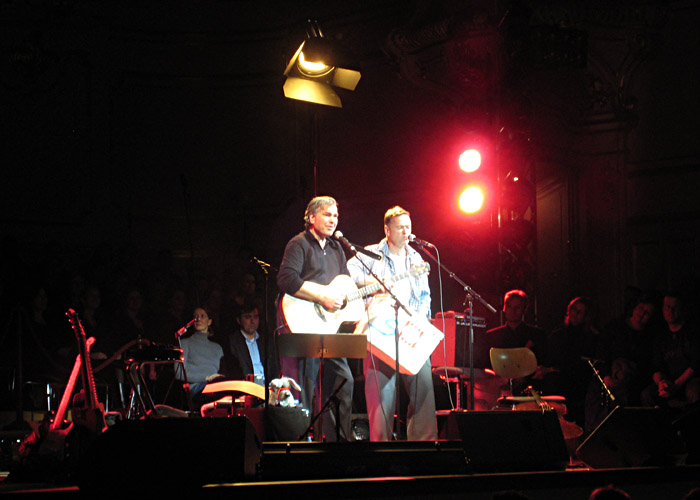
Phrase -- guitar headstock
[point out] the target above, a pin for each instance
(419, 269)
(75, 321)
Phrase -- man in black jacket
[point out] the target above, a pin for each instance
(247, 351)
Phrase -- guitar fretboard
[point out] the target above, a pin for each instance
(370, 289)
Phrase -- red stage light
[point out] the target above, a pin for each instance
(471, 200)
(470, 160)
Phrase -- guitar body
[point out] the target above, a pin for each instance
(304, 316)
(53, 452)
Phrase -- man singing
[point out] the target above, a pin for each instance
(414, 293)
(312, 259)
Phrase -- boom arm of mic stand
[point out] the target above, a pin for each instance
(471, 294)
(466, 287)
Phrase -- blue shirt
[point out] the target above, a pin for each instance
(419, 298)
(258, 368)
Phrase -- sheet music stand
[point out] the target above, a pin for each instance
(319, 345)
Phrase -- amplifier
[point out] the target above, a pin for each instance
(454, 349)
(463, 320)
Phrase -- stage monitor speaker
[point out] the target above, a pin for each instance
(172, 454)
(688, 427)
(454, 349)
(509, 441)
(633, 437)
(313, 460)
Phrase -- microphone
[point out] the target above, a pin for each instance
(182, 330)
(339, 236)
(412, 238)
(259, 262)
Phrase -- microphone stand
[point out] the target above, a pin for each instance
(186, 381)
(471, 295)
(265, 268)
(397, 378)
(609, 397)
(333, 399)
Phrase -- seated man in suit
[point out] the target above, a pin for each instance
(246, 352)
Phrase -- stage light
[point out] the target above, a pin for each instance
(471, 200)
(316, 67)
(470, 160)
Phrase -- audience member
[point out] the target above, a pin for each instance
(247, 351)
(676, 360)
(91, 319)
(567, 348)
(625, 351)
(47, 345)
(242, 289)
(213, 303)
(509, 495)
(609, 492)
(514, 333)
(164, 322)
(127, 323)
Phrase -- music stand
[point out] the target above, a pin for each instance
(319, 345)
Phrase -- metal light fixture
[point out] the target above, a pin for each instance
(316, 68)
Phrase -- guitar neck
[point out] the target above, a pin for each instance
(93, 402)
(63, 405)
(375, 287)
(84, 346)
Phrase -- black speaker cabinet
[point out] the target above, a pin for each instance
(688, 427)
(171, 454)
(509, 441)
(633, 437)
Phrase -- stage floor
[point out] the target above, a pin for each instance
(648, 483)
(485, 453)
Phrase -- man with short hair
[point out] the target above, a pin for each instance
(246, 351)
(414, 293)
(312, 259)
(514, 333)
(676, 361)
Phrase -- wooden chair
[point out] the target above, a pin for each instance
(514, 363)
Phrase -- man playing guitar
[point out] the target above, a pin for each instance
(312, 259)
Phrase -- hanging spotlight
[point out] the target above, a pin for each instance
(315, 68)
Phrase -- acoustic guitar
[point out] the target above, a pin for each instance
(304, 316)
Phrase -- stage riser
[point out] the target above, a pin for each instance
(295, 460)
(172, 453)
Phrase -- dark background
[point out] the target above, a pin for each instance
(136, 131)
